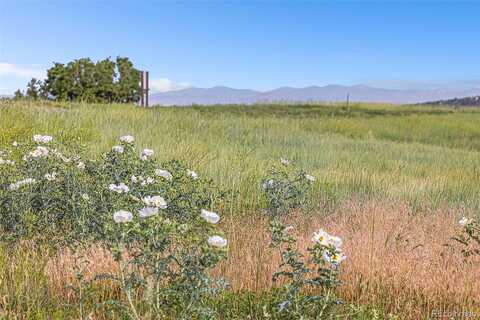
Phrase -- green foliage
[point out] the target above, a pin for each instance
(18, 95)
(470, 237)
(287, 189)
(83, 80)
(33, 89)
(151, 217)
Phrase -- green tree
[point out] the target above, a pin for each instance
(32, 89)
(105, 75)
(58, 82)
(128, 87)
(83, 80)
(18, 95)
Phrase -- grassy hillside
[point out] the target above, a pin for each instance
(419, 154)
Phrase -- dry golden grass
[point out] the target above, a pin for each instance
(396, 260)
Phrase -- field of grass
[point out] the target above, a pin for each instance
(391, 180)
(425, 156)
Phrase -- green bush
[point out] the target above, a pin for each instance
(153, 218)
(309, 281)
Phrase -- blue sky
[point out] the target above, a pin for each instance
(246, 44)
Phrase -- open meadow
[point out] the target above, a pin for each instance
(391, 181)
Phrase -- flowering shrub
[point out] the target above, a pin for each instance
(317, 273)
(286, 188)
(153, 218)
(470, 237)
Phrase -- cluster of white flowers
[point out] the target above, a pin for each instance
(122, 216)
(127, 139)
(217, 241)
(143, 181)
(164, 174)
(284, 161)
(51, 176)
(6, 161)
(81, 165)
(15, 144)
(117, 149)
(85, 197)
(146, 212)
(146, 153)
(59, 155)
(38, 138)
(323, 238)
(209, 216)
(155, 201)
(39, 152)
(119, 188)
(21, 183)
(267, 184)
(465, 221)
(192, 174)
(310, 178)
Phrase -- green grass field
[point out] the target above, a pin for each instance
(427, 157)
(421, 155)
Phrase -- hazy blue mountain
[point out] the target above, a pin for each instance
(329, 93)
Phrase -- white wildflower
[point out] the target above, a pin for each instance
(267, 184)
(192, 174)
(321, 237)
(149, 180)
(127, 139)
(147, 212)
(164, 174)
(335, 241)
(146, 153)
(122, 216)
(117, 149)
(334, 258)
(155, 201)
(81, 165)
(134, 179)
(38, 138)
(310, 178)
(120, 188)
(85, 197)
(21, 183)
(6, 161)
(51, 176)
(217, 241)
(285, 162)
(464, 221)
(15, 144)
(209, 216)
(39, 152)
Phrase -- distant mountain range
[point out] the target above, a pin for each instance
(329, 93)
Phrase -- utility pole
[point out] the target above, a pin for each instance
(144, 88)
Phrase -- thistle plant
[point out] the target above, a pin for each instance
(307, 292)
(153, 218)
(286, 188)
(470, 237)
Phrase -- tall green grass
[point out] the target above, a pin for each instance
(422, 155)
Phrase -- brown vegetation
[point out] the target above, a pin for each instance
(405, 263)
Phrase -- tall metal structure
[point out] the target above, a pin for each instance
(144, 88)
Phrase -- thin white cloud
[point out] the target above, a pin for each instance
(164, 85)
(10, 69)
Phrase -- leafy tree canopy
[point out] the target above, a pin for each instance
(104, 81)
